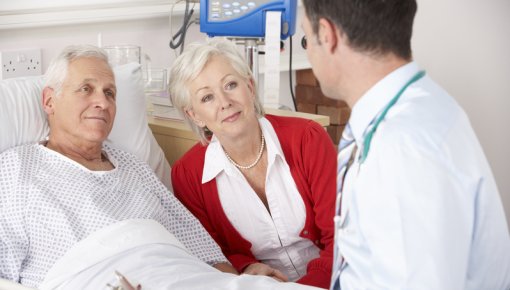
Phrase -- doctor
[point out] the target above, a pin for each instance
(418, 207)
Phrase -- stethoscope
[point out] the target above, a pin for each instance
(339, 220)
(370, 133)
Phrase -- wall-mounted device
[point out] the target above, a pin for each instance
(253, 23)
(20, 63)
(245, 18)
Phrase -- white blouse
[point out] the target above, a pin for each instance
(274, 237)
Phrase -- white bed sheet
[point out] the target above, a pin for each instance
(146, 253)
(9, 285)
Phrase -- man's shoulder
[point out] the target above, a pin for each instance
(119, 153)
(24, 151)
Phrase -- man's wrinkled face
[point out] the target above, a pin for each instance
(85, 109)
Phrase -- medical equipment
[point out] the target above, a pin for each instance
(249, 22)
(245, 18)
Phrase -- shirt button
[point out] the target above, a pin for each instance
(305, 232)
(316, 242)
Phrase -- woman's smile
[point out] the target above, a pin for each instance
(232, 118)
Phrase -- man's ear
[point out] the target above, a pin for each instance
(329, 34)
(48, 94)
(194, 118)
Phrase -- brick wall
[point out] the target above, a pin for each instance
(309, 99)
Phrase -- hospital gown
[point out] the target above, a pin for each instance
(49, 202)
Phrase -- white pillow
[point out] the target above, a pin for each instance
(23, 120)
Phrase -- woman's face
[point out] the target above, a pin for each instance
(222, 100)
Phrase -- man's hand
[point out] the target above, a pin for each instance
(123, 283)
(265, 270)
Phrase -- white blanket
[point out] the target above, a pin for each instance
(146, 253)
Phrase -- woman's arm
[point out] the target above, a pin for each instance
(319, 164)
(188, 189)
(226, 267)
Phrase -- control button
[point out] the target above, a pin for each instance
(215, 15)
(244, 7)
(227, 13)
(215, 9)
(251, 4)
(236, 4)
(226, 5)
(236, 11)
(215, 3)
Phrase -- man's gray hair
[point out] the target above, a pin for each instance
(57, 70)
(189, 65)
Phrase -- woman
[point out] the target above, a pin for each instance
(263, 186)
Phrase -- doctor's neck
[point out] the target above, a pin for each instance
(364, 71)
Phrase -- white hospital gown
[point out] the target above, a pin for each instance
(49, 202)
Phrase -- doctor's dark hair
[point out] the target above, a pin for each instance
(372, 26)
(57, 70)
(190, 64)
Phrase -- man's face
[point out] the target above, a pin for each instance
(85, 109)
(323, 54)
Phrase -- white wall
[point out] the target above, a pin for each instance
(463, 44)
(151, 34)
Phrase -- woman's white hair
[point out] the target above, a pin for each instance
(57, 70)
(189, 65)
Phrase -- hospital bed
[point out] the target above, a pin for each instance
(8, 285)
(22, 120)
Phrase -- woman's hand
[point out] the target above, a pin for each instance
(265, 270)
(226, 267)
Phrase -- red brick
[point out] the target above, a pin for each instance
(314, 95)
(335, 132)
(337, 115)
(306, 77)
(307, 108)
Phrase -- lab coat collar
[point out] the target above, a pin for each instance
(371, 104)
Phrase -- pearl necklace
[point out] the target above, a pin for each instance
(263, 142)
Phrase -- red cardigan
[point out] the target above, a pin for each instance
(312, 159)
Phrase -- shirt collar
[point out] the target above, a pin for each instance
(216, 161)
(377, 97)
(273, 146)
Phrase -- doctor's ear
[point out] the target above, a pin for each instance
(328, 34)
(194, 118)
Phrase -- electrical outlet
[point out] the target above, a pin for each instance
(20, 63)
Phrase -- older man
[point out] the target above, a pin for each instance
(418, 207)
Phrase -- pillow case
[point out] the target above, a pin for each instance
(23, 120)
